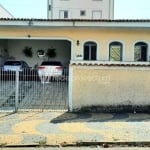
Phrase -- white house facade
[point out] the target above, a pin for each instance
(76, 9)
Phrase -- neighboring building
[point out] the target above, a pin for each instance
(80, 9)
(4, 13)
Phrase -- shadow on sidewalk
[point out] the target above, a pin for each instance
(101, 117)
(7, 114)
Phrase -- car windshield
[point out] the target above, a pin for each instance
(12, 63)
(51, 63)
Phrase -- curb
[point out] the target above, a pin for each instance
(86, 144)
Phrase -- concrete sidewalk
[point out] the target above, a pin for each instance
(60, 128)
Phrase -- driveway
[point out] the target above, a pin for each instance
(34, 95)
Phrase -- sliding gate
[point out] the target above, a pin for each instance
(25, 90)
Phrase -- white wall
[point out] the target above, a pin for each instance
(110, 86)
(63, 50)
(74, 7)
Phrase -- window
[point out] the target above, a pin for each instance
(82, 13)
(49, 8)
(140, 51)
(96, 14)
(64, 14)
(115, 51)
(90, 50)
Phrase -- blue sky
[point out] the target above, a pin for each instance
(124, 9)
(26, 8)
(132, 9)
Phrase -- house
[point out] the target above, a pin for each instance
(4, 13)
(76, 9)
(108, 59)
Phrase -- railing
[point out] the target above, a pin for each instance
(24, 90)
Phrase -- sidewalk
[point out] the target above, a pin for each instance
(61, 128)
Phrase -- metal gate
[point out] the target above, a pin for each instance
(25, 90)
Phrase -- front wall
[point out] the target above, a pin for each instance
(104, 86)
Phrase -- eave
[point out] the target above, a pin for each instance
(11, 22)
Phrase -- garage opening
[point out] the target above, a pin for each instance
(27, 88)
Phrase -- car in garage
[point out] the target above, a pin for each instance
(14, 65)
(9, 68)
(50, 70)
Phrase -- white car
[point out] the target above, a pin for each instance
(50, 69)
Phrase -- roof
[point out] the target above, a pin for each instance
(4, 12)
(103, 23)
(75, 20)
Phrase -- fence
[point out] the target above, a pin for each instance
(26, 90)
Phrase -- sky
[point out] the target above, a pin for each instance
(124, 9)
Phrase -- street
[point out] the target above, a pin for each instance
(75, 148)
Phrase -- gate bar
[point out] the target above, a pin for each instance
(17, 90)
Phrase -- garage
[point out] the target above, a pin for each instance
(26, 91)
(13, 49)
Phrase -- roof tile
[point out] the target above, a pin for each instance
(79, 20)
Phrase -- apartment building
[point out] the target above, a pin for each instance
(80, 9)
